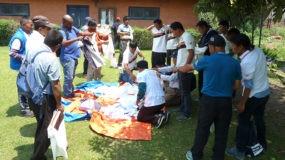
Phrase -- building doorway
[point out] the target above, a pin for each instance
(107, 15)
(78, 13)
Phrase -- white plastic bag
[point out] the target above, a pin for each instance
(57, 135)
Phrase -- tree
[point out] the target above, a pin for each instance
(242, 12)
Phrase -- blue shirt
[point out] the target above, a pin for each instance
(220, 73)
(72, 51)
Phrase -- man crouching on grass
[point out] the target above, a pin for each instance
(151, 92)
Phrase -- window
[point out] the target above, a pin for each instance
(14, 9)
(143, 13)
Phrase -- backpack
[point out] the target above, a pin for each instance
(58, 51)
(26, 81)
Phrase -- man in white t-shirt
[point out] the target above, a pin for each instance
(125, 32)
(151, 93)
(159, 32)
(129, 62)
(187, 81)
(224, 27)
(172, 42)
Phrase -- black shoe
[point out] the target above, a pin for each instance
(167, 116)
(177, 110)
(183, 118)
(28, 114)
(160, 121)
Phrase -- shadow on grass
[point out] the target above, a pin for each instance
(25, 152)
(13, 111)
(28, 130)
(79, 75)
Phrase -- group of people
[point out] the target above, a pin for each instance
(214, 57)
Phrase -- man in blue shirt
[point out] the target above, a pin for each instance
(222, 74)
(70, 52)
(17, 52)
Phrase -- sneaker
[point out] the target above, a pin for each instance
(120, 68)
(167, 116)
(160, 121)
(235, 153)
(177, 110)
(28, 114)
(189, 155)
(182, 118)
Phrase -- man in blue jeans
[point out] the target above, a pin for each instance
(70, 52)
(222, 74)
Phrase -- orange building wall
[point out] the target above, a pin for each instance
(170, 10)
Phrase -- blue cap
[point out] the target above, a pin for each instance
(87, 19)
(174, 55)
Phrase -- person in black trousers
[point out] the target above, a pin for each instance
(207, 32)
(216, 101)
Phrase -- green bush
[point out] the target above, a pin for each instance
(7, 29)
(143, 38)
(195, 33)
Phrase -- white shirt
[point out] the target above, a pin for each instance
(35, 40)
(124, 28)
(154, 94)
(159, 42)
(171, 43)
(253, 67)
(130, 58)
(187, 40)
(172, 79)
(228, 46)
(16, 44)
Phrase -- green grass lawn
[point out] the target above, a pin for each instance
(170, 142)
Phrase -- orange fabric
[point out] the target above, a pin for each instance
(121, 129)
(106, 101)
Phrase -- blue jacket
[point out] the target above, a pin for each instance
(14, 63)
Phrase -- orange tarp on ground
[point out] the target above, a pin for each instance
(102, 124)
(122, 129)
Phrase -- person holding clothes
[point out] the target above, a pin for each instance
(171, 44)
(159, 32)
(115, 27)
(224, 27)
(216, 101)
(256, 92)
(207, 32)
(172, 93)
(152, 95)
(95, 61)
(47, 70)
(70, 53)
(130, 62)
(17, 52)
(185, 56)
(85, 63)
(125, 32)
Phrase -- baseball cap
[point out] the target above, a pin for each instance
(217, 40)
(88, 19)
(174, 55)
(118, 18)
(43, 21)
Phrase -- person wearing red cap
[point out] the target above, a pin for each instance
(115, 26)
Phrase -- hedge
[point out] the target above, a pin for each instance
(7, 29)
(141, 36)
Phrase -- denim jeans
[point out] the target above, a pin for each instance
(69, 68)
(185, 90)
(125, 77)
